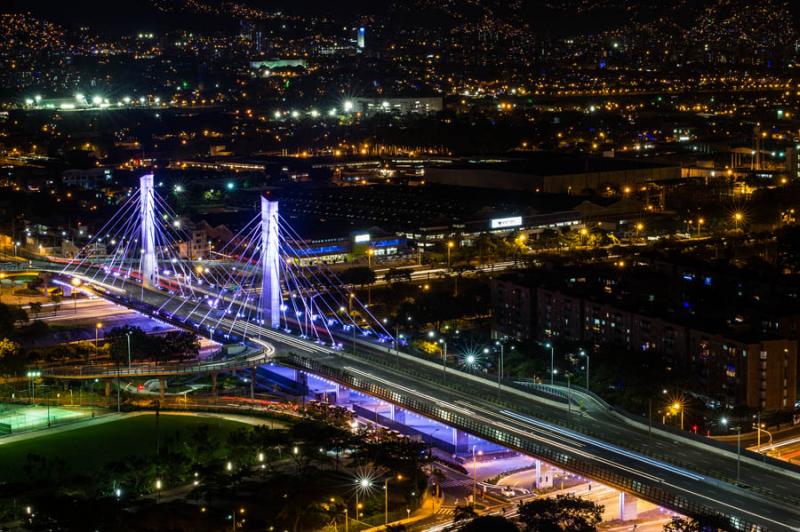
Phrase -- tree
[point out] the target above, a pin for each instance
(178, 344)
(118, 340)
(565, 512)
(705, 523)
(462, 513)
(56, 300)
(36, 308)
(680, 524)
(490, 523)
(10, 317)
(11, 358)
(358, 275)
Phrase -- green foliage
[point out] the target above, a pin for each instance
(10, 317)
(463, 513)
(11, 358)
(36, 308)
(710, 523)
(358, 275)
(171, 345)
(490, 523)
(565, 512)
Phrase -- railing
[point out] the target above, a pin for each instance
(558, 457)
(153, 370)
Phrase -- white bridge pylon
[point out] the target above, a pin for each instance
(270, 268)
(149, 264)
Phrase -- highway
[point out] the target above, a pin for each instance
(675, 472)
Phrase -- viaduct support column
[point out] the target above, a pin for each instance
(147, 202)
(342, 394)
(627, 507)
(252, 383)
(162, 387)
(544, 475)
(460, 441)
(270, 268)
(214, 386)
(398, 415)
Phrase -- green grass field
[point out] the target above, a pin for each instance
(93, 447)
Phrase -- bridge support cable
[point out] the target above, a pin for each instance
(332, 280)
(89, 254)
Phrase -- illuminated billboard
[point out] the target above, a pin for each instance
(503, 223)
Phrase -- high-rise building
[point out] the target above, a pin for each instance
(361, 38)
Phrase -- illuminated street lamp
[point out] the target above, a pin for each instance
(551, 347)
(97, 327)
(738, 217)
(450, 245)
(738, 430)
(582, 352)
(363, 485)
(678, 406)
(475, 475)
(386, 498)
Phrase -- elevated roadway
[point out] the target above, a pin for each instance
(687, 474)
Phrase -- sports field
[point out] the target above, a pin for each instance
(21, 418)
(85, 449)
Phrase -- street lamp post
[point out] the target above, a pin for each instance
(128, 336)
(362, 484)
(118, 402)
(552, 348)
(738, 430)
(386, 499)
(585, 353)
(569, 392)
(475, 476)
(444, 357)
(450, 246)
(97, 327)
(75, 282)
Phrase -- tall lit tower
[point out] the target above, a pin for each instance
(148, 262)
(270, 268)
(361, 39)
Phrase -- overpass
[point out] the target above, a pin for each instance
(686, 474)
(308, 326)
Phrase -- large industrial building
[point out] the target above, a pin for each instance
(550, 172)
(401, 106)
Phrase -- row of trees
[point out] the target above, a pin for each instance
(554, 514)
(297, 478)
(172, 345)
(567, 513)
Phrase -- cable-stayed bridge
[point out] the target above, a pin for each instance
(261, 290)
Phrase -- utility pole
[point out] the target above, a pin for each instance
(128, 336)
(118, 402)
